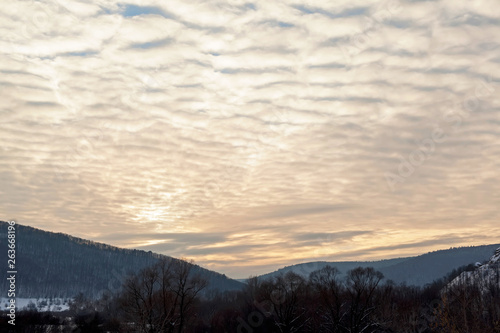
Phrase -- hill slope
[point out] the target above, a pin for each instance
(59, 265)
(305, 269)
(486, 277)
(428, 267)
(418, 271)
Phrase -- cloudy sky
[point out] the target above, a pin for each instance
(250, 135)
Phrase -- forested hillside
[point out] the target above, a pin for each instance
(417, 271)
(428, 267)
(58, 265)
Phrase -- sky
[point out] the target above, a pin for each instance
(251, 135)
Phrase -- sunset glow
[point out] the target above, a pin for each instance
(250, 136)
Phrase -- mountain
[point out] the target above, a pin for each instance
(417, 271)
(431, 266)
(305, 269)
(483, 276)
(58, 265)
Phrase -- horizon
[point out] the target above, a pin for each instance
(249, 135)
(269, 269)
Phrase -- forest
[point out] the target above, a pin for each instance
(170, 296)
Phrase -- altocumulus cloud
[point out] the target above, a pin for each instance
(250, 135)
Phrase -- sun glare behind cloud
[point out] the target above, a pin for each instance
(374, 124)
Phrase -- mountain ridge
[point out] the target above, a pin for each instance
(418, 270)
(59, 265)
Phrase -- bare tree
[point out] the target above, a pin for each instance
(160, 298)
(138, 301)
(288, 297)
(186, 288)
(361, 285)
(329, 290)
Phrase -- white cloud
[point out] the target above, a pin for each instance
(210, 117)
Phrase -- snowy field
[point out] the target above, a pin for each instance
(40, 304)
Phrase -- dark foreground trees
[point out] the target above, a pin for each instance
(360, 303)
(169, 297)
(470, 306)
(322, 303)
(161, 298)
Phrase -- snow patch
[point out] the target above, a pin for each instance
(483, 275)
(40, 304)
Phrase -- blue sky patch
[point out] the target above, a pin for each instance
(346, 13)
(133, 10)
(285, 25)
(153, 44)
